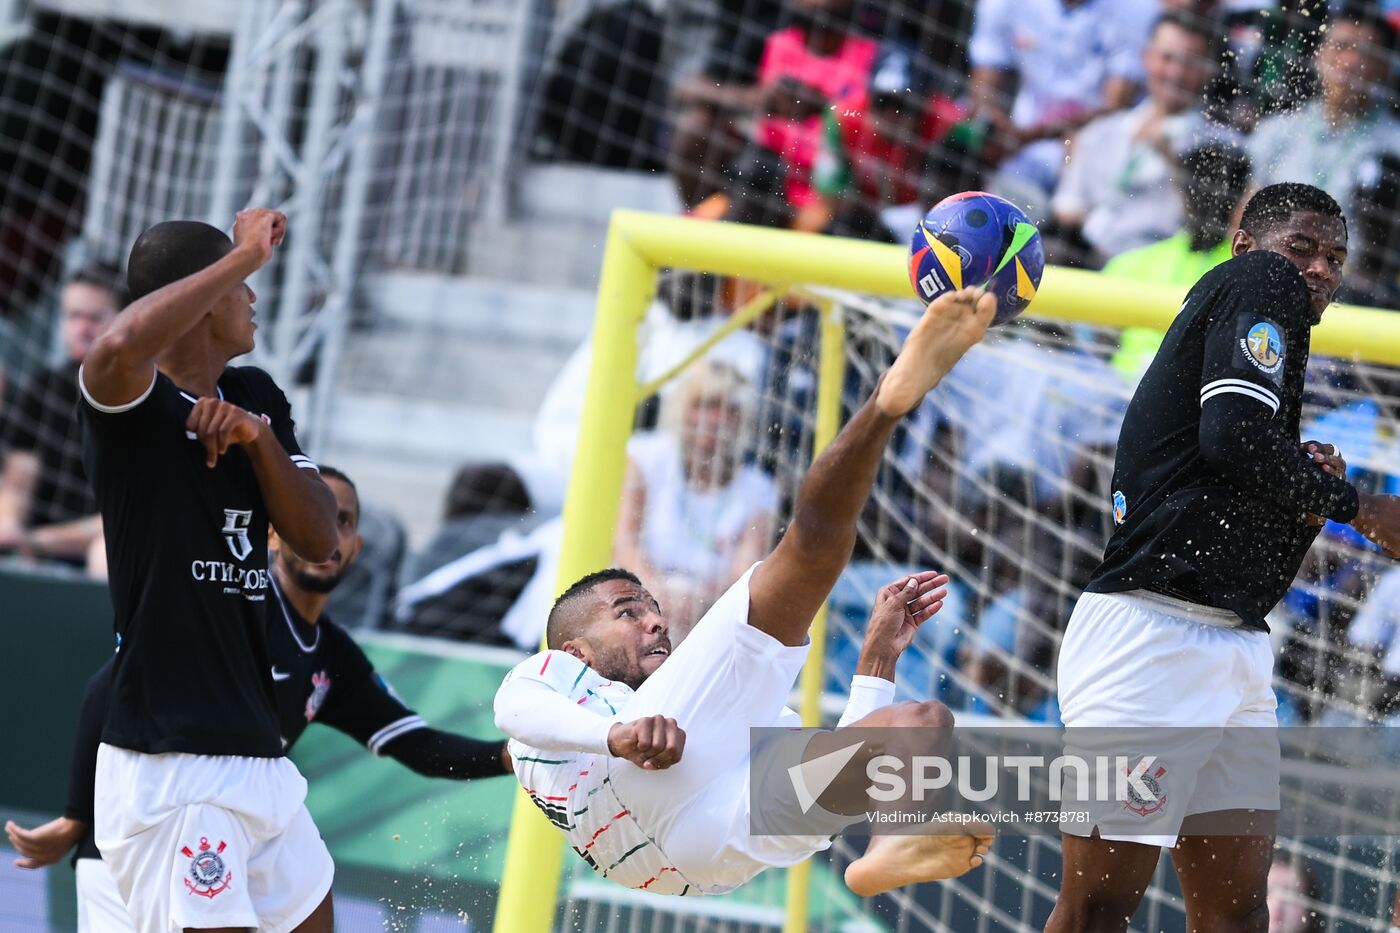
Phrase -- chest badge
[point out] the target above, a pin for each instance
(320, 686)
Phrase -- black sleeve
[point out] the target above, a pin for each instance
(82, 767)
(435, 753)
(360, 703)
(1240, 438)
(1260, 320)
(279, 415)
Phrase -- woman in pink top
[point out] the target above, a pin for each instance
(815, 63)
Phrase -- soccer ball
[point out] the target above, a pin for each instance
(976, 238)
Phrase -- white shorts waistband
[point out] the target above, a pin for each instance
(1182, 609)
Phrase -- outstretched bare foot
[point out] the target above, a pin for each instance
(891, 862)
(950, 325)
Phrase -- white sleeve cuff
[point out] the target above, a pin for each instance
(114, 409)
(867, 695)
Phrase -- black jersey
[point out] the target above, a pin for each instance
(321, 675)
(1210, 487)
(42, 421)
(187, 559)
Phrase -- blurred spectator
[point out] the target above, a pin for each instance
(482, 559)
(1215, 179)
(1374, 277)
(1326, 141)
(894, 147)
(609, 64)
(1035, 402)
(46, 507)
(814, 64)
(1073, 60)
(705, 135)
(694, 515)
(1292, 896)
(1376, 626)
(1118, 187)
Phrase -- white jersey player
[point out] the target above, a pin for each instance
(643, 759)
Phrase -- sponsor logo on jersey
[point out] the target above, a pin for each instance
(236, 522)
(1262, 346)
(320, 686)
(1120, 507)
(207, 875)
(1139, 804)
(279, 676)
(248, 581)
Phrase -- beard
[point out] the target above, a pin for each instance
(313, 582)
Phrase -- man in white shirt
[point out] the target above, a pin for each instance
(1072, 60)
(1119, 187)
(642, 759)
(1324, 143)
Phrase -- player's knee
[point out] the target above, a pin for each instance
(1092, 914)
(1234, 918)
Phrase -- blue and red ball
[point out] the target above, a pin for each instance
(975, 238)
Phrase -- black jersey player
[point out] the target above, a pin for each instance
(1216, 501)
(320, 674)
(189, 458)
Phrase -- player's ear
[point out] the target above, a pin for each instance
(1241, 243)
(579, 648)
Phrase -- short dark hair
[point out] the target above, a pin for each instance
(171, 251)
(562, 625)
(1274, 204)
(1207, 28)
(330, 472)
(102, 275)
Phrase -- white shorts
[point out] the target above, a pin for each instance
(198, 841)
(1144, 674)
(689, 824)
(100, 907)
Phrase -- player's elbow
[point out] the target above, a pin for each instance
(1223, 446)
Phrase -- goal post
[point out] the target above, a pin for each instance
(638, 246)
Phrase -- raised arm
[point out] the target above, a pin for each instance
(122, 362)
(900, 608)
(786, 590)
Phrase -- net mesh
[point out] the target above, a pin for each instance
(1001, 480)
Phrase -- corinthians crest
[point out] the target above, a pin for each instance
(207, 875)
(1137, 803)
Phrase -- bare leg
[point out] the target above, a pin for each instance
(1101, 884)
(1225, 879)
(787, 589)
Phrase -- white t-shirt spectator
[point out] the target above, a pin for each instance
(1377, 624)
(695, 531)
(1301, 147)
(1022, 405)
(1121, 185)
(1063, 55)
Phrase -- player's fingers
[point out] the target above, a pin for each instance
(928, 579)
(926, 599)
(923, 615)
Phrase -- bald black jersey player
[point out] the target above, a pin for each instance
(1216, 502)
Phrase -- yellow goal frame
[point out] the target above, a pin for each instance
(640, 244)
